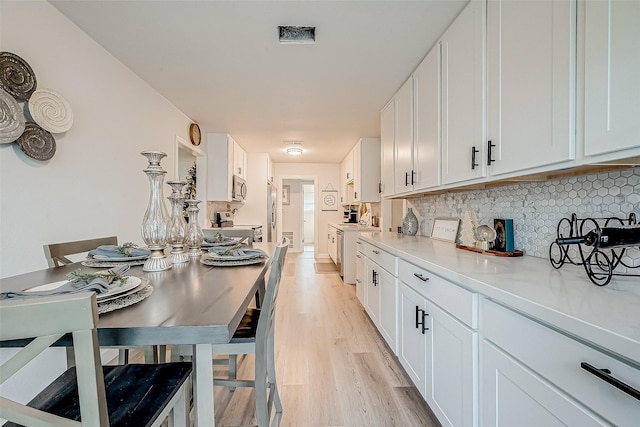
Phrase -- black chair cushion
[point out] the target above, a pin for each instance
(246, 331)
(136, 394)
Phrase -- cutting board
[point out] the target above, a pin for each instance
(490, 251)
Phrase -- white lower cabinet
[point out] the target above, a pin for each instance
(372, 293)
(360, 282)
(438, 350)
(536, 376)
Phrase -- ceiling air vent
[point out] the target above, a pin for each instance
(293, 34)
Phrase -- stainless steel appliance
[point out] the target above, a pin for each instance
(350, 216)
(340, 252)
(272, 195)
(239, 189)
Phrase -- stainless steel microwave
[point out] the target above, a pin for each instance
(239, 189)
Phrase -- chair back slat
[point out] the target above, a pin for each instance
(56, 253)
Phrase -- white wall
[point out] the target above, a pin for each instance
(324, 174)
(94, 185)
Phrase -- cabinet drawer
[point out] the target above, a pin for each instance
(360, 245)
(383, 258)
(558, 358)
(459, 302)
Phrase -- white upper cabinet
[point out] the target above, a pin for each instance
(403, 137)
(462, 96)
(366, 166)
(611, 78)
(426, 141)
(530, 83)
(221, 164)
(387, 141)
(239, 161)
(348, 168)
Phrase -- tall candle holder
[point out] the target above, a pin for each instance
(194, 232)
(155, 221)
(177, 224)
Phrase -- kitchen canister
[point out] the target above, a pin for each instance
(410, 223)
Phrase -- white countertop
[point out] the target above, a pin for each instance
(353, 227)
(608, 317)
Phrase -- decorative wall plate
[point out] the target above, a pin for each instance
(50, 110)
(37, 143)
(16, 76)
(11, 118)
(194, 134)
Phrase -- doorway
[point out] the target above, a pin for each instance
(308, 215)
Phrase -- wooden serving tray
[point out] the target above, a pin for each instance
(490, 251)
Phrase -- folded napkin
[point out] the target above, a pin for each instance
(96, 283)
(113, 251)
(236, 252)
(214, 240)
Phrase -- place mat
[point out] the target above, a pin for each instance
(225, 263)
(126, 300)
(90, 262)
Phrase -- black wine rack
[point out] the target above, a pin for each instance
(599, 264)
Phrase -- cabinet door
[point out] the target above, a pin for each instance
(348, 167)
(462, 95)
(452, 369)
(513, 395)
(530, 83)
(357, 182)
(343, 183)
(388, 321)
(412, 340)
(239, 161)
(373, 291)
(332, 244)
(387, 142)
(360, 278)
(612, 67)
(426, 143)
(404, 137)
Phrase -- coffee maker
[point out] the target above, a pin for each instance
(350, 216)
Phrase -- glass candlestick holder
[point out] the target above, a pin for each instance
(177, 224)
(155, 221)
(194, 232)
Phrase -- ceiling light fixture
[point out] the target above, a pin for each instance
(294, 151)
(295, 34)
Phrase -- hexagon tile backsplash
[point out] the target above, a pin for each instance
(536, 207)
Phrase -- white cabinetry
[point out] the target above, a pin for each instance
(611, 83)
(530, 368)
(437, 343)
(530, 84)
(366, 175)
(462, 96)
(221, 162)
(239, 161)
(348, 168)
(360, 272)
(387, 142)
(404, 137)
(332, 243)
(380, 294)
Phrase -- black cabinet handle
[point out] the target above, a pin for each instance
(355, 195)
(605, 374)
(489, 154)
(406, 179)
(375, 277)
(358, 256)
(421, 277)
(413, 174)
(420, 319)
(473, 157)
(379, 187)
(376, 252)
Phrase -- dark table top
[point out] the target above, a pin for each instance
(191, 304)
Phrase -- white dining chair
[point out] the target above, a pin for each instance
(87, 394)
(255, 335)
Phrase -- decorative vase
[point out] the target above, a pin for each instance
(410, 223)
(194, 232)
(177, 224)
(155, 222)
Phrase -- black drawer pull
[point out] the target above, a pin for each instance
(358, 256)
(605, 374)
(421, 277)
(375, 278)
(473, 157)
(489, 154)
(376, 252)
(406, 179)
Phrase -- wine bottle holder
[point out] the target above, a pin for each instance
(599, 264)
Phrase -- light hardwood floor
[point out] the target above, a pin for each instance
(333, 367)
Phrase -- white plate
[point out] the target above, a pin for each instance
(116, 289)
(221, 263)
(107, 298)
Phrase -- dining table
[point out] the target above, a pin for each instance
(190, 304)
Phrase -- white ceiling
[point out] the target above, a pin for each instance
(221, 64)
